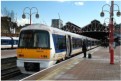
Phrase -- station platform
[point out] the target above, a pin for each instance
(8, 53)
(78, 68)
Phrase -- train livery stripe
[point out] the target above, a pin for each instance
(33, 53)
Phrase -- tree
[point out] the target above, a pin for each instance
(6, 12)
(12, 15)
(8, 21)
(5, 22)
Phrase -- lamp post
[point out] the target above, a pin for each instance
(30, 13)
(108, 22)
(111, 32)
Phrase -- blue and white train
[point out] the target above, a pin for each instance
(9, 42)
(41, 46)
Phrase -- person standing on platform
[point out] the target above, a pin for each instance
(84, 49)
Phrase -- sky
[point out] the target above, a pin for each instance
(79, 12)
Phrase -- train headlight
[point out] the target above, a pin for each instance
(20, 55)
(43, 56)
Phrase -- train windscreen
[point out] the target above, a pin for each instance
(34, 39)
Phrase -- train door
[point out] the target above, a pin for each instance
(68, 46)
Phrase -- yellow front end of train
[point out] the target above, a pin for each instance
(33, 53)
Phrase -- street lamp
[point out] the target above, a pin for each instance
(118, 11)
(105, 21)
(108, 22)
(111, 31)
(30, 14)
(102, 14)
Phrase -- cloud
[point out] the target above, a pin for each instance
(79, 3)
(22, 22)
(61, 0)
(107, 1)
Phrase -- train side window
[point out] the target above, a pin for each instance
(5, 42)
(77, 43)
(73, 42)
(61, 43)
(15, 42)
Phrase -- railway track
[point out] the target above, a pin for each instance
(9, 68)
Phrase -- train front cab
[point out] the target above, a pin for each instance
(34, 51)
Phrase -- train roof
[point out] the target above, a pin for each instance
(16, 38)
(53, 30)
(37, 27)
(4, 37)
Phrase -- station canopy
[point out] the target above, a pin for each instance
(94, 30)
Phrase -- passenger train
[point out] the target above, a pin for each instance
(41, 46)
(9, 42)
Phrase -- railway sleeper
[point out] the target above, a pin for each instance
(8, 71)
(10, 75)
(8, 67)
(8, 60)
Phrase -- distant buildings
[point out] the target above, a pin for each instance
(118, 29)
(7, 26)
(71, 27)
(117, 32)
(57, 23)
